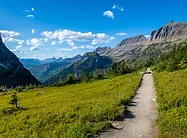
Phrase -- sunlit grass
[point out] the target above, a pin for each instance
(74, 111)
(172, 100)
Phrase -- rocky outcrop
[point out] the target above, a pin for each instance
(133, 40)
(1, 38)
(171, 31)
(12, 71)
(102, 50)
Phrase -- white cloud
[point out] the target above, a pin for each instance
(121, 34)
(65, 49)
(30, 16)
(117, 7)
(11, 34)
(30, 10)
(53, 43)
(114, 7)
(35, 43)
(15, 50)
(19, 47)
(71, 49)
(20, 42)
(45, 39)
(34, 48)
(13, 40)
(71, 37)
(101, 38)
(71, 43)
(33, 31)
(147, 36)
(27, 11)
(109, 14)
(90, 47)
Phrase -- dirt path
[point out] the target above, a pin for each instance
(140, 115)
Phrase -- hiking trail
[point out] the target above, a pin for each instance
(140, 115)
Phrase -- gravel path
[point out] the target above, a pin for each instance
(140, 114)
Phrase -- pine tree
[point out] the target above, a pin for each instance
(14, 100)
(114, 67)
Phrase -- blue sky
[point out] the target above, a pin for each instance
(64, 28)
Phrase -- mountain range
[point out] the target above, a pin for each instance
(31, 62)
(86, 64)
(138, 51)
(47, 70)
(134, 52)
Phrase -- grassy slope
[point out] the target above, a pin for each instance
(172, 100)
(72, 111)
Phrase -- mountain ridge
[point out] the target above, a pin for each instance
(86, 64)
(12, 71)
(44, 71)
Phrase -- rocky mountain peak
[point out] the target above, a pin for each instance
(77, 56)
(133, 40)
(171, 31)
(1, 38)
(12, 71)
(171, 22)
(90, 54)
(102, 50)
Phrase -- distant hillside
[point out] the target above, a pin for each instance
(28, 63)
(45, 71)
(12, 72)
(87, 64)
(31, 62)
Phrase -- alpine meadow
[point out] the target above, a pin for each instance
(93, 69)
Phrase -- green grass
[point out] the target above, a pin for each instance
(172, 100)
(74, 111)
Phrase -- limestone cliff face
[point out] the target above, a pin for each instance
(170, 31)
(12, 71)
(133, 40)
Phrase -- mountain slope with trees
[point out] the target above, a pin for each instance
(88, 63)
(45, 71)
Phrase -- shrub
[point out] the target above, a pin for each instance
(19, 89)
(14, 100)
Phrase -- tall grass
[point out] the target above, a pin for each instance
(172, 100)
(74, 111)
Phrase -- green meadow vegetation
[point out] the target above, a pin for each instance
(73, 111)
(171, 88)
